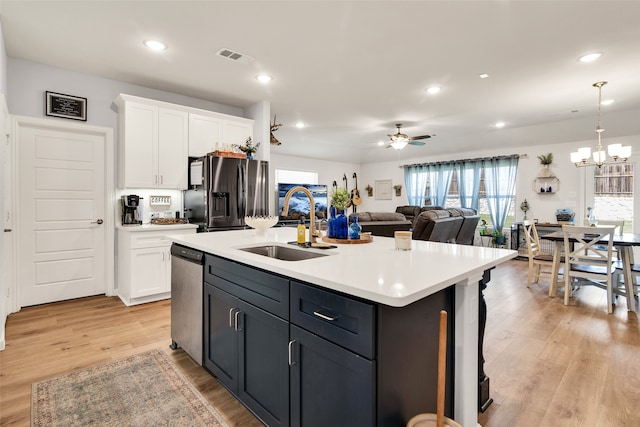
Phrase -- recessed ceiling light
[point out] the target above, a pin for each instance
(608, 102)
(590, 57)
(299, 125)
(154, 45)
(380, 143)
(500, 124)
(264, 78)
(483, 75)
(433, 90)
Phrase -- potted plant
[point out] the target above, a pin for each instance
(545, 161)
(398, 189)
(339, 225)
(484, 231)
(524, 207)
(499, 238)
(248, 148)
(369, 190)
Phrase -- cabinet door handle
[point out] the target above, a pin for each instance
(155, 179)
(231, 310)
(236, 318)
(324, 316)
(291, 361)
(161, 179)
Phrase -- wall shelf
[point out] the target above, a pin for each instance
(546, 184)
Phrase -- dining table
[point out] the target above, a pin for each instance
(623, 242)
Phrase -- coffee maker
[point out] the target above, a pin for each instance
(131, 210)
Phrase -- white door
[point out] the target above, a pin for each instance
(61, 212)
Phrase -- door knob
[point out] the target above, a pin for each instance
(98, 221)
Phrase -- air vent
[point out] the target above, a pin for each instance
(234, 56)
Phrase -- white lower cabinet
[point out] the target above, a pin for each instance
(144, 265)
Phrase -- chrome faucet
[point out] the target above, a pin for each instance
(312, 214)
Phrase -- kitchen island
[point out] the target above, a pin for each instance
(392, 296)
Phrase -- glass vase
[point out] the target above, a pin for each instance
(342, 226)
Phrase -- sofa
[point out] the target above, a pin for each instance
(411, 212)
(452, 225)
(382, 223)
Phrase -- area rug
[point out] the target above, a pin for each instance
(146, 389)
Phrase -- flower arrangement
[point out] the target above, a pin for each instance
(248, 146)
(397, 187)
(340, 199)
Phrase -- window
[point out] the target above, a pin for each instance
(487, 185)
(613, 193)
(453, 200)
(295, 177)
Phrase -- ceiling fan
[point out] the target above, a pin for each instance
(399, 140)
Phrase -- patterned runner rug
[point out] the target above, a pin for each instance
(146, 389)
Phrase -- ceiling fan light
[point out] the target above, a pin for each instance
(399, 144)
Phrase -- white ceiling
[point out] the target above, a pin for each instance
(352, 69)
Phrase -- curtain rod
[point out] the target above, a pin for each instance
(511, 156)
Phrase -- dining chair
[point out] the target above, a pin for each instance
(588, 259)
(540, 263)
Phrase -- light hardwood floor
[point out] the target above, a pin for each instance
(549, 365)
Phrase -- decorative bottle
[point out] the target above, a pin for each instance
(355, 229)
(331, 226)
(342, 226)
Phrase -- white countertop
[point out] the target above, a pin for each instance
(173, 228)
(374, 271)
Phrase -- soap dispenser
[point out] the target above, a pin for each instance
(301, 232)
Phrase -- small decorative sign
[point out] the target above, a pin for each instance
(65, 106)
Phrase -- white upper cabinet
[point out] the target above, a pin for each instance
(205, 134)
(236, 132)
(213, 131)
(152, 145)
(157, 138)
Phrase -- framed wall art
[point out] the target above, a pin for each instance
(65, 106)
(383, 189)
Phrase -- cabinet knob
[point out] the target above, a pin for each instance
(98, 221)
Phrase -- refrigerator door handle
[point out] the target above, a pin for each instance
(242, 197)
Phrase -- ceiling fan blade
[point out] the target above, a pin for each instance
(415, 138)
(418, 143)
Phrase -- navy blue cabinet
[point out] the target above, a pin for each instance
(330, 386)
(302, 355)
(246, 348)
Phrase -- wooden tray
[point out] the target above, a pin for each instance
(346, 241)
(229, 154)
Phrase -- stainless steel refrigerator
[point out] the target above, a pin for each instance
(223, 190)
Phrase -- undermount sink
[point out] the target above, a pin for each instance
(283, 253)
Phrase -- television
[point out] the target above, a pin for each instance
(299, 203)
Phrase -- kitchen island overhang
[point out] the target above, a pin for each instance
(378, 273)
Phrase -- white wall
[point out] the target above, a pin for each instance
(30, 80)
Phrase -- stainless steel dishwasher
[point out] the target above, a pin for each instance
(186, 300)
